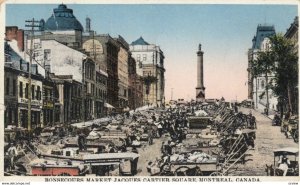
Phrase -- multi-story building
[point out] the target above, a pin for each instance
(292, 34)
(16, 87)
(263, 96)
(150, 62)
(123, 83)
(14, 33)
(10, 96)
(49, 98)
(106, 51)
(69, 99)
(63, 27)
(94, 50)
(63, 31)
(135, 89)
(68, 64)
(257, 84)
(89, 93)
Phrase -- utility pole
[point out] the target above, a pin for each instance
(32, 24)
(95, 105)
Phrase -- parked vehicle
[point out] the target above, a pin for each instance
(290, 128)
(276, 120)
(292, 155)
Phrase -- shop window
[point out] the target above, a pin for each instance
(21, 89)
(14, 87)
(138, 57)
(38, 93)
(7, 86)
(26, 90)
(32, 92)
(47, 54)
(68, 153)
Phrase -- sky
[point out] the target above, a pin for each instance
(225, 32)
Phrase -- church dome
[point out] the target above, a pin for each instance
(62, 19)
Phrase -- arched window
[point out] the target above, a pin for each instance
(262, 84)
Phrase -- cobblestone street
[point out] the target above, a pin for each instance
(268, 138)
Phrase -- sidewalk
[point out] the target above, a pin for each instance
(270, 116)
(268, 138)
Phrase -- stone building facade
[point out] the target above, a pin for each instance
(107, 51)
(135, 90)
(16, 91)
(257, 84)
(292, 34)
(150, 62)
(123, 83)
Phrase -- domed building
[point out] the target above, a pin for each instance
(62, 19)
(63, 27)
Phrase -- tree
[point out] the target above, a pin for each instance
(282, 61)
(264, 65)
(286, 70)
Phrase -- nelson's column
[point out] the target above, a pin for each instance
(200, 89)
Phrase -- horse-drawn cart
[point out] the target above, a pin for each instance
(199, 122)
(194, 169)
(285, 159)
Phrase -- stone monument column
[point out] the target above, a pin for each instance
(200, 89)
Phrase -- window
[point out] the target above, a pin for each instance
(46, 94)
(36, 45)
(26, 90)
(14, 87)
(21, 90)
(38, 93)
(262, 84)
(125, 93)
(32, 92)
(138, 57)
(92, 89)
(51, 94)
(7, 86)
(68, 153)
(144, 57)
(47, 54)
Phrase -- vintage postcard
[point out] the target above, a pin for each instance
(160, 92)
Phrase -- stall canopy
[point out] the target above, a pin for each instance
(112, 157)
(286, 150)
(201, 113)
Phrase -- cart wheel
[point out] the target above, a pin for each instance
(216, 174)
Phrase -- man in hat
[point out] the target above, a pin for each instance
(284, 163)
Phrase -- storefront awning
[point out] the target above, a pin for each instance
(105, 164)
(107, 105)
